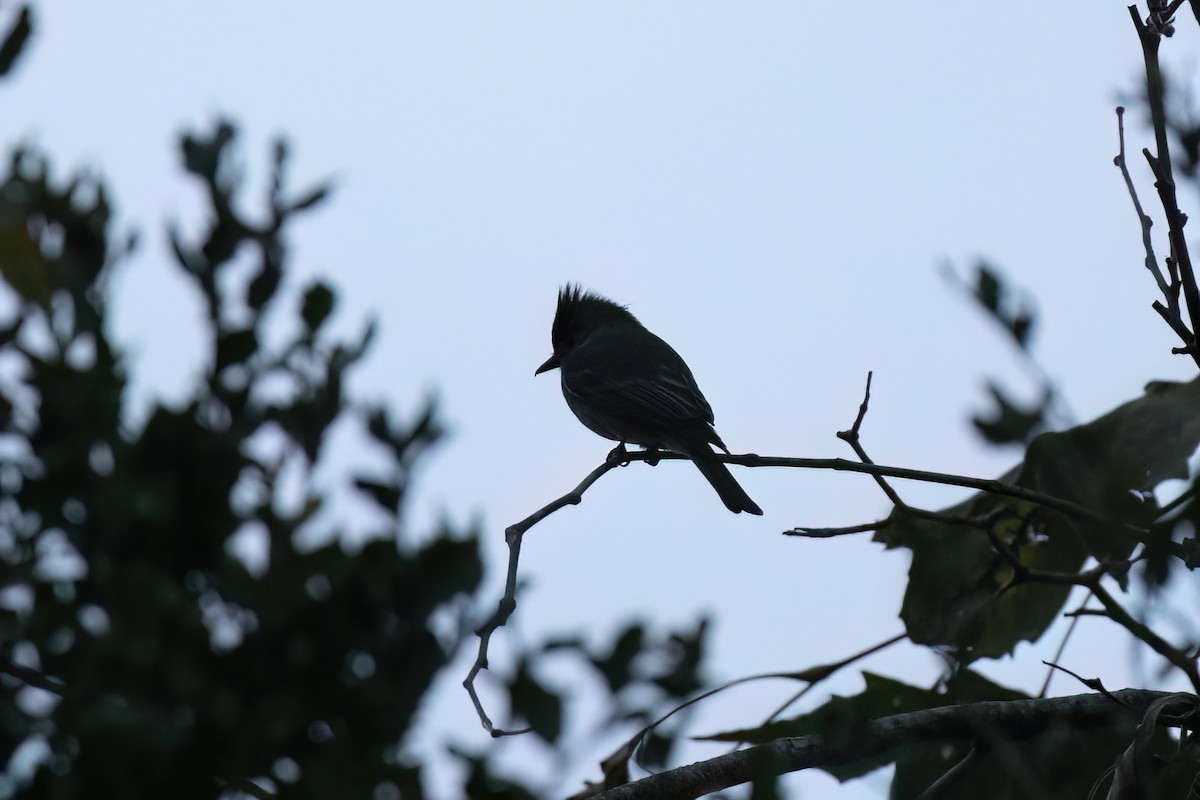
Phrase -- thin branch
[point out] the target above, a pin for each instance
(1012, 719)
(508, 603)
(1117, 613)
(1143, 218)
(1094, 684)
(821, 673)
(987, 485)
(830, 533)
(515, 533)
(1062, 646)
(32, 677)
(1150, 36)
(851, 438)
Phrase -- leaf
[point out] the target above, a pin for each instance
(616, 667)
(538, 706)
(385, 494)
(685, 651)
(266, 282)
(21, 264)
(996, 298)
(1009, 423)
(317, 306)
(1191, 552)
(953, 598)
(16, 39)
(314, 196)
(987, 287)
(844, 719)
(235, 347)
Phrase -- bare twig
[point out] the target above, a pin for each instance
(987, 485)
(851, 438)
(31, 677)
(1094, 684)
(1117, 613)
(1062, 646)
(830, 533)
(1144, 219)
(1150, 35)
(818, 674)
(508, 603)
(514, 533)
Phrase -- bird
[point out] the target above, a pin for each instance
(630, 386)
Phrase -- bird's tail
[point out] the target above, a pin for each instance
(732, 494)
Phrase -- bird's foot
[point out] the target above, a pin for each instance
(619, 455)
(652, 457)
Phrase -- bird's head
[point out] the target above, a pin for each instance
(579, 315)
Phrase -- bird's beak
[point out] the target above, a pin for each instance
(551, 363)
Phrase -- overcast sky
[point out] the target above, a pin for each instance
(769, 186)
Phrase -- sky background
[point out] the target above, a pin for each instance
(771, 187)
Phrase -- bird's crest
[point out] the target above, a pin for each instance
(579, 311)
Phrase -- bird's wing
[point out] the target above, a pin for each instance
(665, 394)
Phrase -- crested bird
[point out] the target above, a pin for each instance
(628, 385)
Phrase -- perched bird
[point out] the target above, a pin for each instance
(628, 385)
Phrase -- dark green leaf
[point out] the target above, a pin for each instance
(953, 598)
(617, 666)
(235, 347)
(15, 39)
(385, 494)
(318, 305)
(311, 199)
(535, 704)
(987, 287)
(1009, 423)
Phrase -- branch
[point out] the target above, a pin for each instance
(31, 676)
(1117, 613)
(508, 603)
(851, 438)
(1150, 35)
(1146, 223)
(619, 456)
(842, 465)
(1015, 718)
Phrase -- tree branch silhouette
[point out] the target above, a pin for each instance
(1014, 718)
(515, 533)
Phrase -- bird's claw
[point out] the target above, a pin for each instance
(619, 455)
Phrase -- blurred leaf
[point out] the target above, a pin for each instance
(535, 704)
(15, 39)
(987, 287)
(617, 666)
(844, 719)
(483, 783)
(235, 347)
(384, 494)
(202, 156)
(21, 263)
(996, 297)
(1009, 423)
(686, 650)
(311, 199)
(266, 282)
(1191, 552)
(317, 306)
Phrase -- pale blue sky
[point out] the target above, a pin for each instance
(769, 186)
